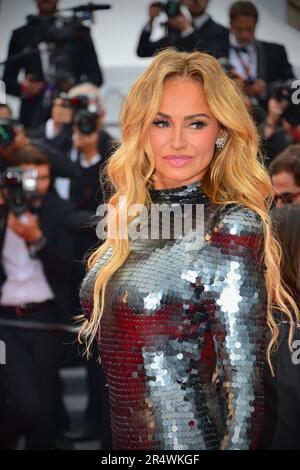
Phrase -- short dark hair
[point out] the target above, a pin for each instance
(243, 8)
(30, 154)
(287, 161)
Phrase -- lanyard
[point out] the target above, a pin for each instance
(247, 67)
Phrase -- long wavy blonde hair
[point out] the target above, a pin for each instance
(236, 174)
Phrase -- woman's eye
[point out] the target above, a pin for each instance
(198, 124)
(161, 123)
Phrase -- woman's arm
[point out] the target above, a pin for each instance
(239, 324)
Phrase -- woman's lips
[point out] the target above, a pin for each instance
(178, 160)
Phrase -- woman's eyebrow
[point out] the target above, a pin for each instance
(191, 116)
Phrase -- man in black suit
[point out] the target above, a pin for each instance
(198, 33)
(259, 63)
(74, 60)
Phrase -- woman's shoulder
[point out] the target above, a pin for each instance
(237, 219)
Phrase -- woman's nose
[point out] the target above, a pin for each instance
(178, 138)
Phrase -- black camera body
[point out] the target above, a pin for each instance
(282, 90)
(18, 187)
(85, 110)
(171, 8)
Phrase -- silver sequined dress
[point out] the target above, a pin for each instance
(182, 335)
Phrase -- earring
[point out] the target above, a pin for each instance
(221, 140)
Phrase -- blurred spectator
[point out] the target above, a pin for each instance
(259, 63)
(57, 132)
(35, 277)
(198, 31)
(56, 62)
(291, 122)
(274, 131)
(282, 393)
(5, 111)
(285, 174)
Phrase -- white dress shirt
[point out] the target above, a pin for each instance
(237, 59)
(26, 281)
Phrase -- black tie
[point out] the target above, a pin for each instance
(239, 49)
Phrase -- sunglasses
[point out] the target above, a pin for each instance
(286, 198)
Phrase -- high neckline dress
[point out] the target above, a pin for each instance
(182, 334)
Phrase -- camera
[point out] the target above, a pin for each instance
(292, 115)
(282, 90)
(85, 110)
(18, 188)
(171, 8)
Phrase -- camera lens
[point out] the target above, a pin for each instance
(86, 122)
(29, 180)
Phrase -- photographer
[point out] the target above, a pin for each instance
(285, 174)
(91, 148)
(278, 128)
(281, 430)
(61, 58)
(36, 244)
(84, 106)
(13, 137)
(259, 63)
(291, 123)
(198, 31)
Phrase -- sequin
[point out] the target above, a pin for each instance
(182, 335)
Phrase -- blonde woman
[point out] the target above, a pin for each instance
(180, 319)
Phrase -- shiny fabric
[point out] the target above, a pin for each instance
(182, 335)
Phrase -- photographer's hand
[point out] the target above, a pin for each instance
(154, 11)
(29, 230)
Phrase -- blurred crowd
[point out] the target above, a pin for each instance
(52, 158)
